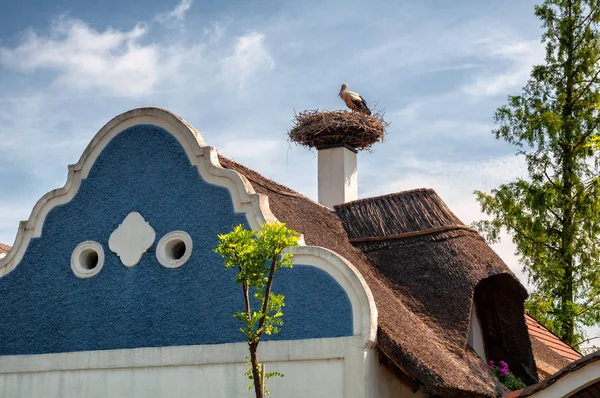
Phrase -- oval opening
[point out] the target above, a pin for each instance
(176, 249)
(88, 259)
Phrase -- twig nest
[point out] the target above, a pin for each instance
(314, 128)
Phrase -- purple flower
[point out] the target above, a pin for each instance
(491, 363)
(490, 367)
(503, 365)
(504, 371)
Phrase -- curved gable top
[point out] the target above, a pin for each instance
(243, 198)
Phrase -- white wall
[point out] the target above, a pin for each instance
(302, 379)
(333, 367)
(337, 176)
(476, 335)
(381, 383)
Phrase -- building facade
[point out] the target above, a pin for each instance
(112, 287)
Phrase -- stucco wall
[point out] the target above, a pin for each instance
(381, 383)
(47, 309)
(147, 330)
(302, 379)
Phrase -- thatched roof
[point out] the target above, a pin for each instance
(437, 266)
(423, 284)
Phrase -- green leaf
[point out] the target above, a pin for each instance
(257, 256)
(553, 215)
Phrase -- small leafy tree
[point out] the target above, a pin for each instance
(257, 256)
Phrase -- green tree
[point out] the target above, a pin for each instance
(554, 214)
(257, 256)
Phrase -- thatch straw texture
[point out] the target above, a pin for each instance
(314, 129)
(439, 265)
(414, 210)
(425, 333)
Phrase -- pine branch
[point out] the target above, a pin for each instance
(587, 86)
(589, 132)
(588, 340)
(549, 179)
(523, 235)
(581, 29)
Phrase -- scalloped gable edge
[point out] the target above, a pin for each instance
(245, 200)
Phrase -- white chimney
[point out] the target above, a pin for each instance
(338, 180)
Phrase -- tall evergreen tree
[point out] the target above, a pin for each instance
(554, 214)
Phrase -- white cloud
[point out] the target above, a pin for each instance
(123, 63)
(215, 32)
(84, 58)
(177, 14)
(249, 58)
(516, 58)
(240, 149)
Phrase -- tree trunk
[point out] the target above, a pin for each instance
(568, 175)
(262, 379)
(258, 388)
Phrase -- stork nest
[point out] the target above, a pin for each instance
(314, 129)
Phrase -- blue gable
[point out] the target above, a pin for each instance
(47, 309)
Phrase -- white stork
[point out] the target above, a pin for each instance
(353, 100)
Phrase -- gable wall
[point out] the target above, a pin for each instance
(145, 329)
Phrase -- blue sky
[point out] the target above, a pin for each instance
(237, 70)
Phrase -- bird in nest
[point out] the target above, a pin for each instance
(353, 100)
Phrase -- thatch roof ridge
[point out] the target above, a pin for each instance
(396, 214)
(384, 196)
(415, 343)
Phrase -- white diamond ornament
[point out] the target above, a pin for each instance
(132, 239)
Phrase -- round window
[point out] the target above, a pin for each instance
(174, 249)
(87, 259)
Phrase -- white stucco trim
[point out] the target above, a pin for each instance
(162, 254)
(78, 268)
(245, 200)
(132, 238)
(287, 350)
(571, 383)
(364, 311)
